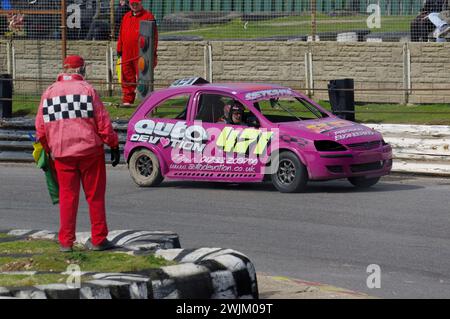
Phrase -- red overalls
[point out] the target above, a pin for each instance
(128, 46)
(72, 124)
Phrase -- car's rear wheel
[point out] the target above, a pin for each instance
(289, 175)
(145, 169)
(363, 182)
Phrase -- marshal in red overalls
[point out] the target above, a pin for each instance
(128, 48)
(72, 125)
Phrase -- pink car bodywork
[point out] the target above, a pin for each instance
(366, 154)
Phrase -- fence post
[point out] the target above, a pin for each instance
(207, 58)
(9, 60)
(109, 69)
(112, 20)
(313, 20)
(63, 31)
(13, 60)
(309, 81)
(406, 73)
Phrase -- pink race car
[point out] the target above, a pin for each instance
(242, 132)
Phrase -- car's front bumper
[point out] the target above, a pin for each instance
(334, 165)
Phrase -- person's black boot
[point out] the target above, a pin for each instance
(65, 249)
(105, 245)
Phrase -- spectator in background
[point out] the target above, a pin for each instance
(128, 49)
(119, 13)
(428, 19)
(16, 22)
(6, 5)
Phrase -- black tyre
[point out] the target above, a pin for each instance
(362, 182)
(289, 174)
(145, 169)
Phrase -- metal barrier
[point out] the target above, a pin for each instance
(417, 148)
(16, 146)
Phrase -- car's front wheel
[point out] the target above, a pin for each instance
(145, 169)
(289, 175)
(363, 182)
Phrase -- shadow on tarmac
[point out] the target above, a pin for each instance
(340, 186)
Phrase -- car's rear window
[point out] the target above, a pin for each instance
(174, 107)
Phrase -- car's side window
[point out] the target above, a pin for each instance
(174, 107)
(217, 108)
(211, 108)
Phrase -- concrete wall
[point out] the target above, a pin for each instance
(380, 70)
(430, 68)
(274, 62)
(38, 62)
(374, 66)
(177, 60)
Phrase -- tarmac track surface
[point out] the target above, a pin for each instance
(330, 234)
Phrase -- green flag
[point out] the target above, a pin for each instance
(43, 162)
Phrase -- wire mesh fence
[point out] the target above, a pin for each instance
(34, 34)
(359, 20)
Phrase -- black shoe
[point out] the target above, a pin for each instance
(105, 245)
(65, 249)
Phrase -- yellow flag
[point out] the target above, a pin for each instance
(119, 70)
(37, 151)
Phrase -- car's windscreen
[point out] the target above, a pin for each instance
(288, 109)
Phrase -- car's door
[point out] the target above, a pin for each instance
(165, 126)
(232, 151)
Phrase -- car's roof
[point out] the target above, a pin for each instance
(233, 88)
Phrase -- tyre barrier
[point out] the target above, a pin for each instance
(202, 273)
(422, 149)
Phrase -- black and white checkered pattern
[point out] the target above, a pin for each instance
(68, 107)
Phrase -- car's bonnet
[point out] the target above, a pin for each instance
(333, 129)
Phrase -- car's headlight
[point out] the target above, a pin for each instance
(329, 146)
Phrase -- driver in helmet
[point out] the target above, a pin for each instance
(233, 114)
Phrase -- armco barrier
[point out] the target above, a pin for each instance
(16, 146)
(417, 148)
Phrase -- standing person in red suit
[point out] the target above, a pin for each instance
(72, 125)
(128, 49)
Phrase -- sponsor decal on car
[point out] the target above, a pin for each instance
(267, 94)
(352, 132)
(194, 137)
(324, 127)
(239, 141)
(177, 135)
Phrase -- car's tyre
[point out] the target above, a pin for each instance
(363, 182)
(289, 175)
(145, 169)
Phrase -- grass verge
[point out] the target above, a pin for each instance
(292, 26)
(44, 256)
(32, 280)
